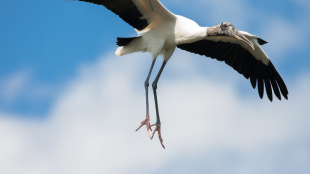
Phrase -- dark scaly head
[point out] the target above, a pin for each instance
(227, 29)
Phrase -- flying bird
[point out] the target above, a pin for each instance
(160, 32)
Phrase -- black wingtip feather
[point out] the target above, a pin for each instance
(253, 81)
(243, 61)
(267, 82)
(280, 82)
(274, 84)
(248, 67)
(275, 88)
(253, 76)
(260, 82)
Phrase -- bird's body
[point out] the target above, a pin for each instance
(164, 36)
(161, 31)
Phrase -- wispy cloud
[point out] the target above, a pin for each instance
(20, 93)
(13, 85)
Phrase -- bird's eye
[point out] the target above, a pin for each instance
(225, 26)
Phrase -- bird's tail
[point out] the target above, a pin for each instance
(125, 46)
(123, 41)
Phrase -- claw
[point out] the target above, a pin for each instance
(159, 134)
(147, 123)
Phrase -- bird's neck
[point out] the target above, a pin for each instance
(191, 35)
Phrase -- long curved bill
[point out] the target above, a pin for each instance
(241, 37)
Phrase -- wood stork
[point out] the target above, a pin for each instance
(160, 32)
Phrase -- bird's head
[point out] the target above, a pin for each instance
(227, 29)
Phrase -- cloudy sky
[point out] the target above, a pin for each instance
(69, 105)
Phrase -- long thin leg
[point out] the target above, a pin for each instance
(154, 85)
(147, 119)
(146, 84)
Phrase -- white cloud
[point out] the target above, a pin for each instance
(206, 126)
(286, 36)
(21, 85)
(13, 85)
(303, 2)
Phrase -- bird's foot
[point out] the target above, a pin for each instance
(159, 133)
(147, 123)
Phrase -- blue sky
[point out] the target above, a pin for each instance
(66, 97)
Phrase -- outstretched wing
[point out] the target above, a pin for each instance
(253, 64)
(137, 13)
